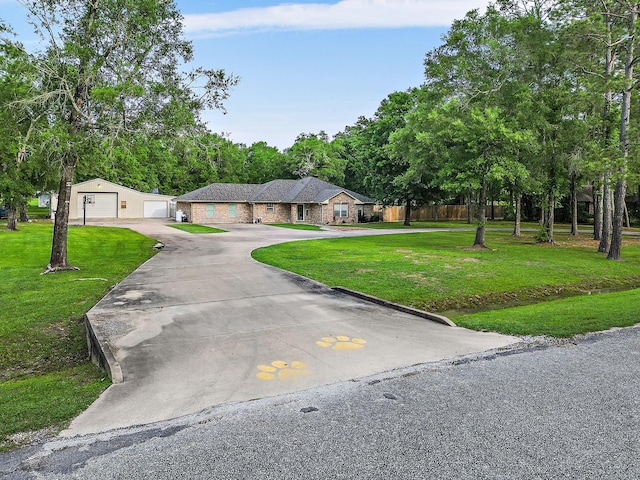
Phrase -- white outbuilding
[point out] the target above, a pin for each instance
(100, 198)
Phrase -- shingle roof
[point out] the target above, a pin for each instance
(313, 190)
(305, 190)
(221, 192)
(274, 191)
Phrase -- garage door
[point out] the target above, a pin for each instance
(99, 205)
(155, 209)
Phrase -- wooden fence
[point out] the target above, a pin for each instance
(444, 212)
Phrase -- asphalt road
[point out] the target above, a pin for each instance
(567, 410)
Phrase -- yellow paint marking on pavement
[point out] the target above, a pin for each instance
(341, 342)
(326, 342)
(267, 368)
(282, 371)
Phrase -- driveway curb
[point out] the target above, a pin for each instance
(401, 308)
(100, 353)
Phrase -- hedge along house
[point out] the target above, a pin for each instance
(102, 199)
(308, 200)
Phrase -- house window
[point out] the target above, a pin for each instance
(232, 209)
(340, 210)
(270, 208)
(211, 210)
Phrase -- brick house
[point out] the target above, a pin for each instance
(308, 200)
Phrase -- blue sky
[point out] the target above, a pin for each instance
(306, 66)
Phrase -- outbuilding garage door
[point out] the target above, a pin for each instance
(99, 205)
(155, 209)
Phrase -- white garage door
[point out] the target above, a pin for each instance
(99, 205)
(155, 209)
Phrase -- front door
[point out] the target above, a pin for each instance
(301, 213)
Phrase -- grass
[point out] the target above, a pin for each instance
(34, 211)
(564, 318)
(195, 228)
(44, 376)
(48, 401)
(463, 224)
(296, 226)
(437, 271)
(435, 224)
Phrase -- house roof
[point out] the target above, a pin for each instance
(274, 191)
(305, 190)
(221, 192)
(113, 186)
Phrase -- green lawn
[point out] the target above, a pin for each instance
(296, 226)
(564, 318)
(438, 224)
(34, 211)
(437, 271)
(463, 224)
(195, 228)
(44, 376)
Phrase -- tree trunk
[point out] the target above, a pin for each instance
(574, 205)
(516, 223)
(615, 251)
(58, 260)
(469, 209)
(23, 213)
(606, 213)
(436, 207)
(597, 211)
(549, 214)
(610, 65)
(550, 217)
(482, 216)
(407, 213)
(627, 222)
(12, 223)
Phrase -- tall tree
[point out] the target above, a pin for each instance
(112, 67)
(552, 109)
(264, 163)
(592, 33)
(481, 65)
(387, 167)
(411, 145)
(480, 147)
(352, 146)
(21, 173)
(632, 10)
(314, 154)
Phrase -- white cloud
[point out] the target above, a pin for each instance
(345, 14)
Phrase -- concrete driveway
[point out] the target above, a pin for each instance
(203, 324)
